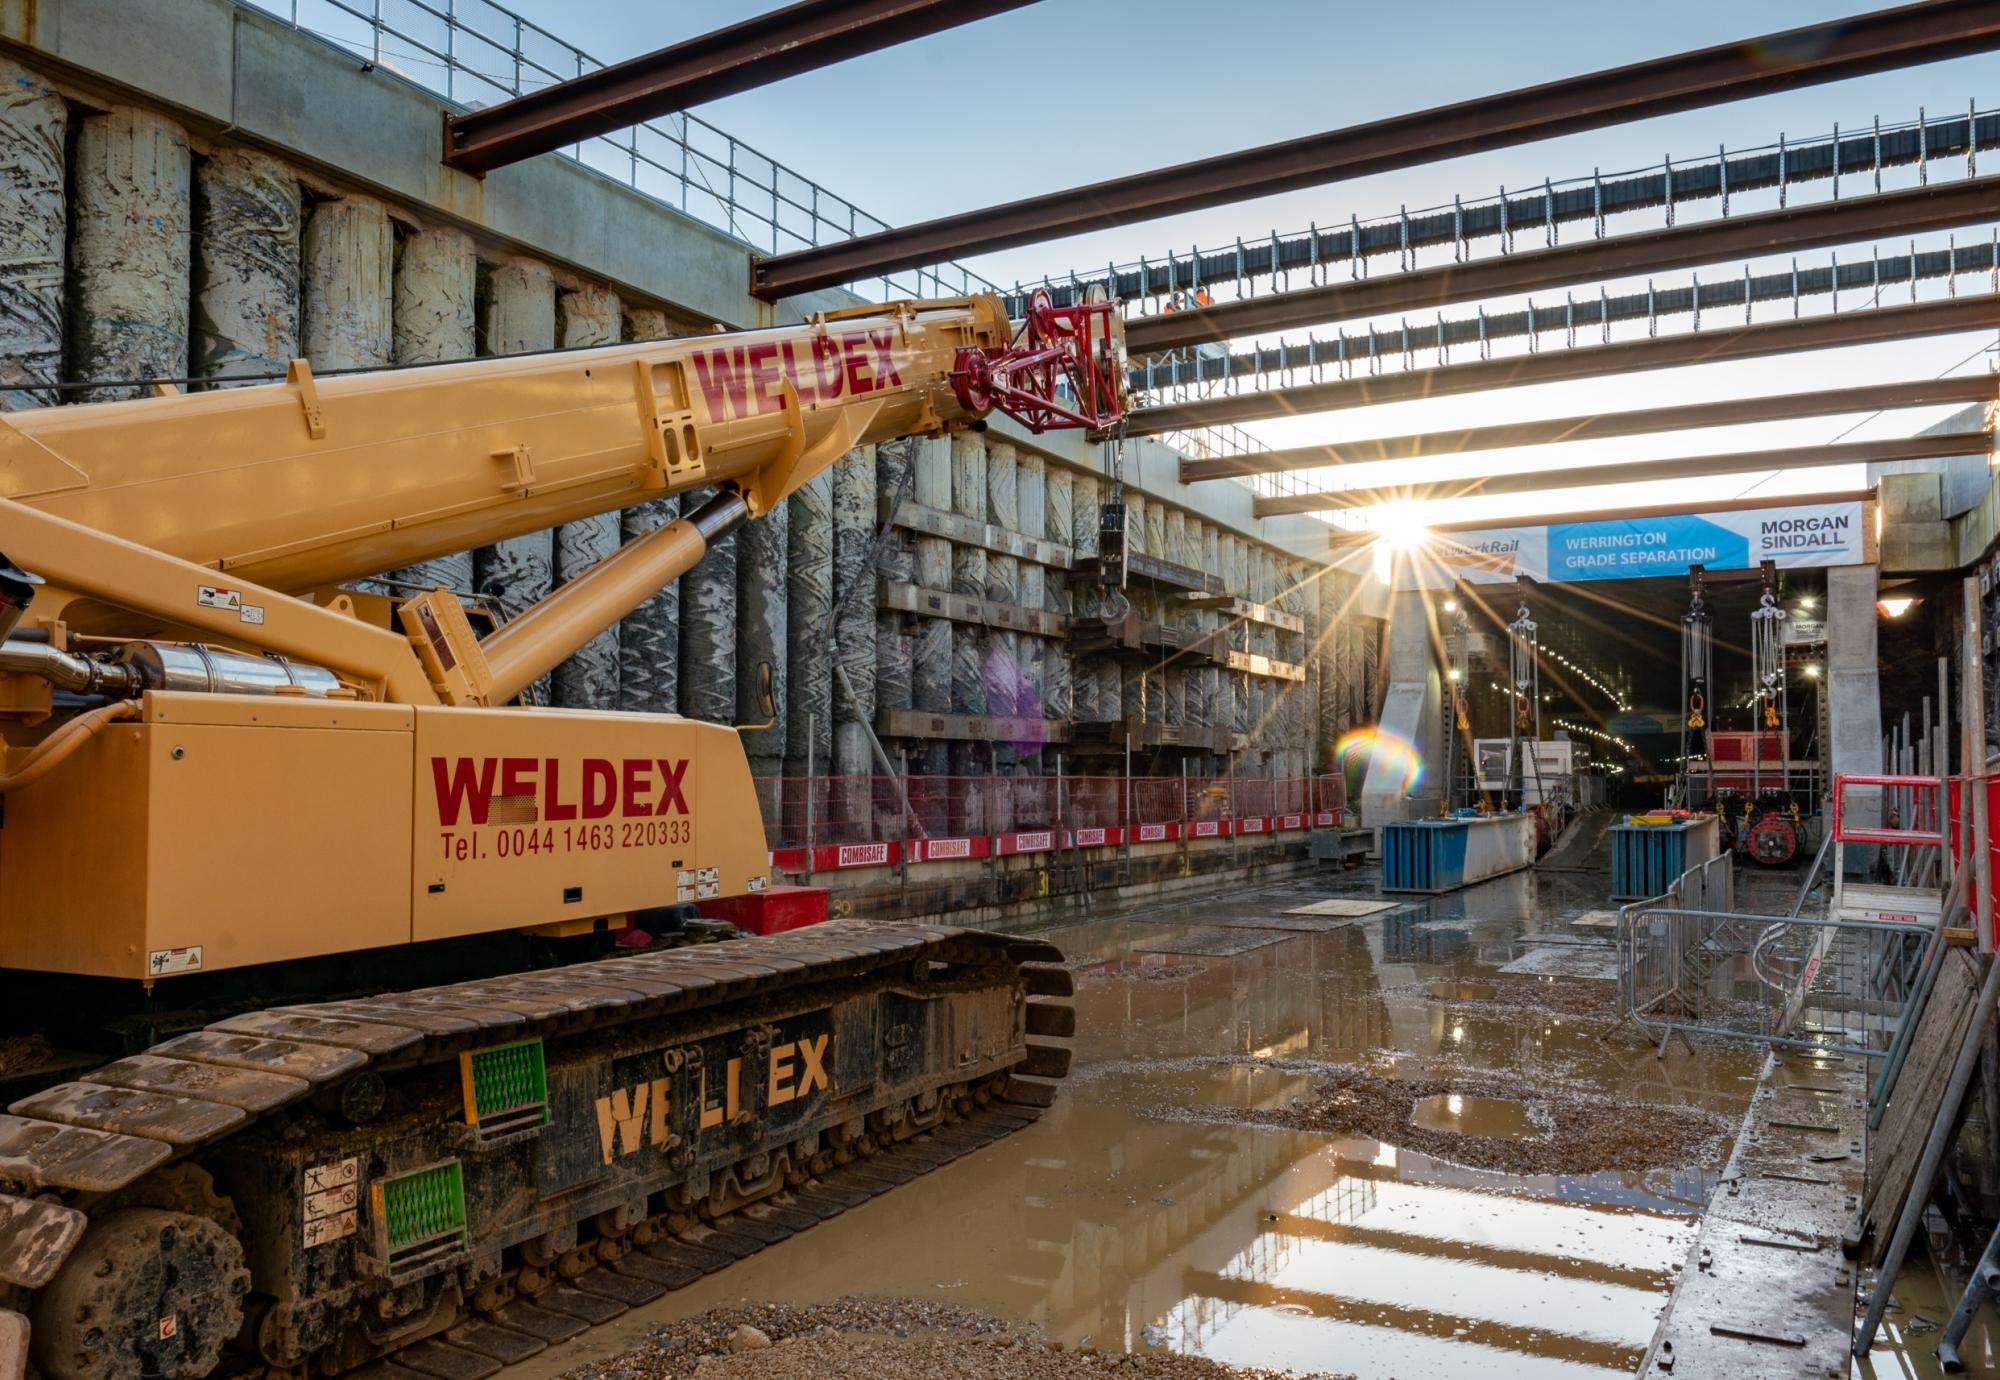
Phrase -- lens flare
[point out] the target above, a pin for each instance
(1361, 750)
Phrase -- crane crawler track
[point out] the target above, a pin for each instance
(441, 1181)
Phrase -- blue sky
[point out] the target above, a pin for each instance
(1070, 91)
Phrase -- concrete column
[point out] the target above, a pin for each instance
(968, 573)
(763, 636)
(1003, 580)
(348, 284)
(1410, 712)
(854, 519)
(1059, 504)
(1298, 602)
(517, 308)
(1132, 674)
(895, 563)
(435, 313)
(1200, 677)
(708, 630)
(649, 637)
(970, 645)
(517, 312)
(1233, 705)
(931, 655)
(248, 227)
(588, 680)
(1094, 682)
(129, 252)
(433, 320)
(1854, 695)
(34, 224)
(645, 323)
(1328, 630)
(809, 670)
(1032, 502)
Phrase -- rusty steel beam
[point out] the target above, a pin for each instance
(1872, 326)
(1598, 426)
(1346, 539)
(1947, 205)
(1816, 53)
(1931, 447)
(756, 52)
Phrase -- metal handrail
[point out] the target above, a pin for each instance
(476, 51)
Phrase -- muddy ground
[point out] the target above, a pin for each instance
(881, 1339)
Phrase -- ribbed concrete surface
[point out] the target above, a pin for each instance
(128, 293)
(34, 131)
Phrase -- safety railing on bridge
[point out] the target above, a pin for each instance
(475, 52)
(827, 823)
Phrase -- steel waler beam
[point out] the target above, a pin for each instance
(1872, 326)
(1636, 472)
(783, 43)
(1944, 206)
(1347, 538)
(1598, 426)
(1873, 42)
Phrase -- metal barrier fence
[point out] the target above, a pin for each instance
(814, 811)
(1838, 985)
(476, 52)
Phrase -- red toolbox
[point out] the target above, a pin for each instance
(769, 912)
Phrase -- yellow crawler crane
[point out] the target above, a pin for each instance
(229, 779)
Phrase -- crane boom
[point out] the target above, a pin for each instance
(226, 766)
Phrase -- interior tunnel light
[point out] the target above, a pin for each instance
(1895, 606)
(1812, 670)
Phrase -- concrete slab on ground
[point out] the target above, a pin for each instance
(1351, 906)
(1768, 1291)
(1568, 960)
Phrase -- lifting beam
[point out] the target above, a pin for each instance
(1816, 53)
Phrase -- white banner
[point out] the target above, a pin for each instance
(1820, 534)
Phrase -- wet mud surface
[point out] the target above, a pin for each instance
(1234, 1173)
(1487, 1121)
(876, 1339)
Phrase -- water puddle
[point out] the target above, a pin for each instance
(1463, 991)
(1487, 1117)
(1435, 1239)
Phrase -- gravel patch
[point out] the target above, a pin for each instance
(1581, 1132)
(881, 1339)
(1152, 972)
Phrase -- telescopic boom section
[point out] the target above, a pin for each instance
(289, 488)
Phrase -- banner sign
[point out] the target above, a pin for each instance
(1820, 534)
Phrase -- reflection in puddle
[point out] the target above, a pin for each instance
(1495, 1117)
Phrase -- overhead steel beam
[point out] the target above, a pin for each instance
(1872, 326)
(1971, 388)
(1873, 42)
(1944, 206)
(768, 48)
(1858, 155)
(1345, 539)
(1873, 275)
(1931, 447)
